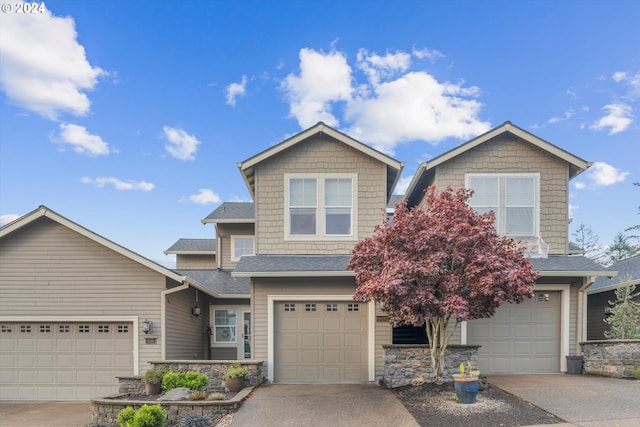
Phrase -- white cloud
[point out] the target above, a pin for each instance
(7, 218)
(425, 53)
(119, 185)
(43, 68)
(181, 145)
(572, 209)
(205, 196)
(618, 119)
(603, 174)
(81, 141)
(403, 185)
(579, 185)
(236, 89)
(393, 105)
(632, 80)
(567, 115)
(323, 80)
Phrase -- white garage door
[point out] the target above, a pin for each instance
(320, 342)
(63, 361)
(520, 338)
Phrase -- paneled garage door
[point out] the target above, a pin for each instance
(520, 338)
(320, 342)
(63, 361)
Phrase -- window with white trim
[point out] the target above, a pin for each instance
(224, 325)
(320, 206)
(242, 246)
(514, 198)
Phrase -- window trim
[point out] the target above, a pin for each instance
(320, 233)
(502, 207)
(234, 326)
(234, 237)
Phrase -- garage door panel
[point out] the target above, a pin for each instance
(63, 361)
(520, 338)
(331, 344)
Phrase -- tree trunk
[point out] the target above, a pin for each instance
(438, 342)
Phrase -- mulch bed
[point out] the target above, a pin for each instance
(436, 405)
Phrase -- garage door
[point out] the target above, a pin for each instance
(320, 342)
(63, 361)
(520, 338)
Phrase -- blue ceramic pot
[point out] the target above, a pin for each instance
(466, 389)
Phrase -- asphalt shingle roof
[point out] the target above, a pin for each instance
(219, 281)
(326, 263)
(626, 267)
(193, 245)
(282, 263)
(232, 211)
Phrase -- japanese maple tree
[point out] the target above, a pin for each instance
(438, 264)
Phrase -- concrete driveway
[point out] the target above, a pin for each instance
(342, 405)
(581, 400)
(41, 414)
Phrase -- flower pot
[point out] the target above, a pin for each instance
(152, 389)
(466, 389)
(233, 384)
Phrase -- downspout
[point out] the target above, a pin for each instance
(581, 333)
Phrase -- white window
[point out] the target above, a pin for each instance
(241, 246)
(224, 324)
(514, 198)
(320, 206)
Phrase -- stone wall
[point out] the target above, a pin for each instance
(611, 358)
(105, 411)
(405, 363)
(213, 370)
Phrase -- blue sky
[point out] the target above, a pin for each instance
(129, 117)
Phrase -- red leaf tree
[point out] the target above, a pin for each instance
(440, 263)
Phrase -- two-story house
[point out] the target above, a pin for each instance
(78, 309)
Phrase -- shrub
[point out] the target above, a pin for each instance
(153, 376)
(235, 370)
(216, 396)
(196, 420)
(198, 395)
(636, 373)
(146, 416)
(191, 380)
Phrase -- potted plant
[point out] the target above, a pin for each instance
(233, 375)
(466, 384)
(152, 380)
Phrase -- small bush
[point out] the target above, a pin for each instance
(216, 396)
(636, 373)
(198, 395)
(191, 380)
(146, 416)
(196, 420)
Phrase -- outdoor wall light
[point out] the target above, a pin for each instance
(147, 325)
(195, 311)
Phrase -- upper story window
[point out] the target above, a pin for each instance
(514, 198)
(242, 246)
(320, 206)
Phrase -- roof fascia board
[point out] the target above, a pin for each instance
(416, 177)
(44, 211)
(228, 221)
(577, 273)
(294, 274)
(521, 133)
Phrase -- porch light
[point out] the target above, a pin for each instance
(195, 311)
(147, 325)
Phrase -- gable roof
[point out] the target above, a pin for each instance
(625, 268)
(44, 212)
(232, 212)
(247, 167)
(220, 281)
(576, 164)
(193, 246)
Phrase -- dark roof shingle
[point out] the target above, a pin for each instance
(219, 281)
(232, 211)
(192, 245)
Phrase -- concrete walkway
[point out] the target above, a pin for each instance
(581, 400)
(343, 405)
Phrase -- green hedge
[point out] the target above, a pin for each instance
(191, 380)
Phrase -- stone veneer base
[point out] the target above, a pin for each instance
(611, 358)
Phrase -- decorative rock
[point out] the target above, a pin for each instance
(179, 393)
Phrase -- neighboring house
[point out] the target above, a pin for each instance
(603, 291)
(74, 307)
(525, 181)
(273, 285)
